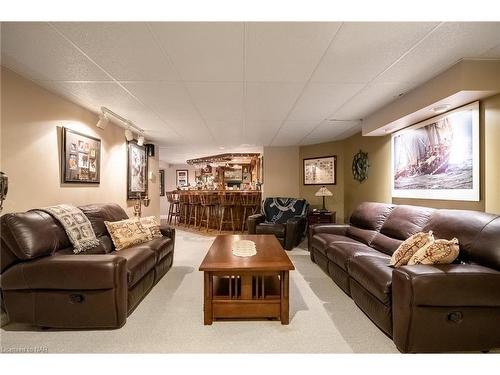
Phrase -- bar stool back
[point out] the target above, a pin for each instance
(173, 207)
(227, 201)
(250, 202)
(208, 202)
(194, 207)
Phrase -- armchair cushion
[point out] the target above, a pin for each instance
(253, 221)
(271, 228)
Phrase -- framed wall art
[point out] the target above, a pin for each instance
(162, 182)
(80, 158)
(182, 177)
(320, 171)
(438, 158)
(137, 171)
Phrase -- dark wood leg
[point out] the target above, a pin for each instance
(232, 219)
(207, 305)
(285, 303)
(243, 219)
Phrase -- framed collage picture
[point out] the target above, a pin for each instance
(137, 171)
(182, 177)
(320, 171)
(80, 158)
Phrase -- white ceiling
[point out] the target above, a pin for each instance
(199, 88)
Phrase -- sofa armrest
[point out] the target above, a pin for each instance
(68, 272)
(168, 231)
(253, 221)
(338, 229)
(295, 228)
(456, 302)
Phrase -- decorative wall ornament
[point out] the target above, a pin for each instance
(80, 157)
(137, 171)
(438, 158)
(320, 171)
(360, 166)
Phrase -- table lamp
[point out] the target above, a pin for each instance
(323, 192)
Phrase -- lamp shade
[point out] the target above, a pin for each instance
(323, 192)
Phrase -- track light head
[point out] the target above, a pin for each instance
(129, 135)
(140, 140)
(103, 121)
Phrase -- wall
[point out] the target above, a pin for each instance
(492, 153)
(336, 202)
(170, 182)
(31, 122)
(281, 175)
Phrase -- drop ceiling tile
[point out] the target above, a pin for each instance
(449, 43)
(361, 50)
(126, 50)
(260, 132)
(37, 51)
(218, 101)
(370, 99)
(329, 131)
(226, 133)
(203, 51)
(292, 132)
(319, 100)
(270, 100)
(286, 51)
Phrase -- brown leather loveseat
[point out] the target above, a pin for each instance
(424, 308)
(44, 284)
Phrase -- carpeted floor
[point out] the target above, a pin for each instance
(170, 320)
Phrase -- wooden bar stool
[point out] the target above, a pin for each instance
(184, 207)
(194, 208)
(250, 202)
(173, 207)
(227, 201)
(208, 202)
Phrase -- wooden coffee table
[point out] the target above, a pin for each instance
(246, 287)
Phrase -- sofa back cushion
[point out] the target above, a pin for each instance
(478, 234)
(29, 235)
(402, 223)
(99, 213)
(367, 219)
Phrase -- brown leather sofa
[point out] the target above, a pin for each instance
(44, 284)
(424, 308)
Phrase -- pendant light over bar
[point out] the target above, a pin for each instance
(129, 127)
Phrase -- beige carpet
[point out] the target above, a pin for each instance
(169, 320)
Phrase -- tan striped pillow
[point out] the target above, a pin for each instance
(409, 247)
(152, 226)
(437, 252)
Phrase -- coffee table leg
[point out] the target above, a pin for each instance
(285, 315)
(207, 305)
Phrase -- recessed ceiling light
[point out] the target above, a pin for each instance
(441, 108)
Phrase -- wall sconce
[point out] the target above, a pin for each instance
(139, 201)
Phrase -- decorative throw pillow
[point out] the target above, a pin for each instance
(151, 226)
(126, 233)
(437, 252)
(409, 247)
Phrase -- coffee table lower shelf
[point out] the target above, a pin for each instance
(246, 295)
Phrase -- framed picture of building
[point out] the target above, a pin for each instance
(80, 157)
(320, 171)
(162, 182)
(438, 158)
(137, 171)
(182, 177)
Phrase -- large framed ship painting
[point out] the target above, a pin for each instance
(438, 158)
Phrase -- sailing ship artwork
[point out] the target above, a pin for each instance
(438, 158)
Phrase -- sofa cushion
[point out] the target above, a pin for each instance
(342, 252)
(99, 213)
(160, 246)
(373, 274)
(320, 241)
(404, 221)
(384, 244)
(140, 261)
(367, 219)
(271, 228)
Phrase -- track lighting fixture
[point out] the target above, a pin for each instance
(140, 140)
(129, 135)
(103, 121)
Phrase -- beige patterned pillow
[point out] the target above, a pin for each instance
(126, 233)
(409, 247)
(151, 226)
(437, 252)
